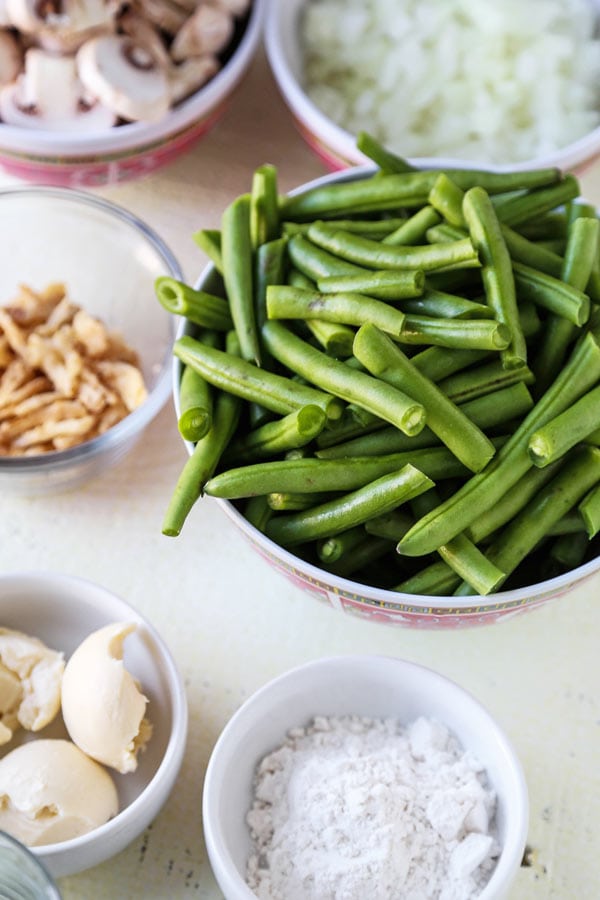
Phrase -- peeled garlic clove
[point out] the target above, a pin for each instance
(102, 705)
(50, 791)
(30, 683)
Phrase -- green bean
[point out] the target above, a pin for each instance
(336, 339)
(388, 162)
(270, 269)
(376, 228)
(346, 308)
(571, 523)
(446, 197)
(414, 229)
(523, 208)
(200, 466)
(560, 434)
(482, 380)
(391, 525)
(316, 263)
(330, 549)
(438, 363)
(337, 378)
(484, 489)
(461, 554)
(296, 429)
(569, 549)
(492, 409)
(199, 307)
(552, 294)
(406, 189)
(288, 501)
(496, 272)
(384, 285)
(209, 240)
(589, 509)
(264, 206)
(587, 210)
(257, 512)
(384, 359)
(465, 334)
(310, 475)
(447, 306)
(581, 254)
(328, 519)
(437, 579)
(196, 405)
(370, 550)
(236, 248)
(274, 392)
(579, 473)
(530, 254)
(377, 255)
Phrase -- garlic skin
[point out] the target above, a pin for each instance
(102, 705)
(30, 683)
(50, 791)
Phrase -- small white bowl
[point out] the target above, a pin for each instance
(61, 611)
(108, 260)
(135, 149)
(335, 145)
(371, 686)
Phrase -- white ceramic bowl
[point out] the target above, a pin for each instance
(62, 610)
(370, 686)
(134, 149)
(355, 598)
(335, 145)
(108, 260)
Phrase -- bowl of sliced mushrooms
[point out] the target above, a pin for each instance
(95, 92)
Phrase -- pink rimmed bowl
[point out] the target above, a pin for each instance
(135, 149)
(377, 604)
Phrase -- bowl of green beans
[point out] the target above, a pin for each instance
(389, 380)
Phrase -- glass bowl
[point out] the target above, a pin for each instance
(108, 260)
(134, 149)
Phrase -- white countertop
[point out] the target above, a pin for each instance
(233, 623)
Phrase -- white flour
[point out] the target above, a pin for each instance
(353, 808)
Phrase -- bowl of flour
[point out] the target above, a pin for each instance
(364, 776)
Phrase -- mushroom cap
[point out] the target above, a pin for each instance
(190, 75)
(49, 96)
(11, 57)
(61, 25)
(124, 76)
(208, 30)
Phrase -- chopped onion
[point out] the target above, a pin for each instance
(471, 79)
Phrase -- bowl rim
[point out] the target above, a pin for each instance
(385, 600)
(172, 759)
(323, 129)
(513, 846)
(137, 419)
(130, 135)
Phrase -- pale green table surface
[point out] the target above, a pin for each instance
(232, 623)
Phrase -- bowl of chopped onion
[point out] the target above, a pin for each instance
(85, 352)
(107, 92)
(486, 83)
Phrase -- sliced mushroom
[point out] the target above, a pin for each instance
(48, 95)
(189, 75)
(208, 30)
(11, 57)
(145, 33)
(61, 25)
(124, 76)
(4, 19)
(167, 16)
